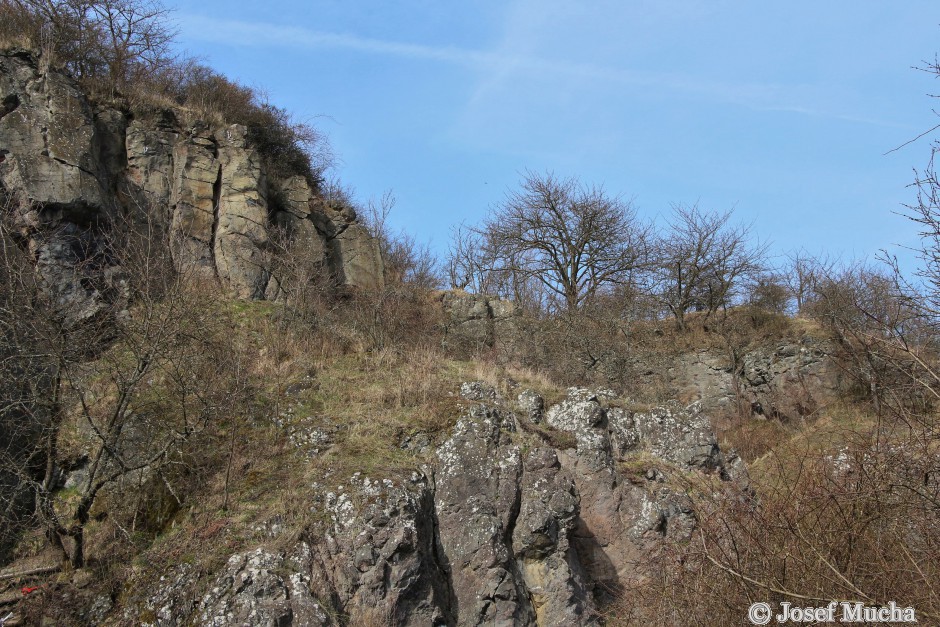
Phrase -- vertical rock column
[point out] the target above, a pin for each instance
(242, 232)
(197, 180)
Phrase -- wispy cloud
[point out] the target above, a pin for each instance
(261, 34)
(501, 67)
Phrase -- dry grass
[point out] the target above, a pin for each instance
(835, 510)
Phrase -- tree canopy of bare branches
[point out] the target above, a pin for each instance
(701, 260)
(575, 240)
(113, 40)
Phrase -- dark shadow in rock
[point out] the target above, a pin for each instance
(445, 587)
(602, 577)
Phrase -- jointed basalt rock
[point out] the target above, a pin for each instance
(379, 561)
(68, 172)
(500, 528)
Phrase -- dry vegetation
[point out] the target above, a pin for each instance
(292, 397)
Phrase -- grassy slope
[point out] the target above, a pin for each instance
(250, 472)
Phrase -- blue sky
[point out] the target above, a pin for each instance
(782, 110)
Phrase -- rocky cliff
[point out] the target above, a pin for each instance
(75, 176)
(520, 516)
(71, 170)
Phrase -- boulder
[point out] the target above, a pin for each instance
(532, 404)
(477, 321)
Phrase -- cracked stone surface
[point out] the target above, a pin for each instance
(379, 560)
(71, 169)
(499, 528)
(262, 588)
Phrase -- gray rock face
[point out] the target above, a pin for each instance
(170, 604)
(788, 382)
(149, 148)
(241, 234)
(793, 380)
(477, 320)
(477, 502)
(195, 191)
(71, 175)
(263, 588)
(355, 255)
(295, 227)
(379, 561)
(52, 176)
(542, 542)
(505, 522)
(623, 517)
(50, 145)
(679, 435)
(69, 171)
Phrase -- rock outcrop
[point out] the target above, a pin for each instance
(379, 561)
(501, 527)
(789, 381)
(55, 186)
(505, 521)
(75, 177)
(478, 321)
(69, 173)
(262, 588)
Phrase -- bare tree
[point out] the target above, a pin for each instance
(802, 273)
(573, 239)
(701, 260)
(925, 212)
(103, 39)
(136, 37)
(768, 291)
(406, 261)
(466, 268)
(129, 386)
(478, 263)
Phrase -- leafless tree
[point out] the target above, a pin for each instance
(801, 273)
(574, 240)
(768, 290)
(114, 40)
(925, 213)
(406, 261)
(129, 386)
(468, 265)
(701, 260)
(136, 35)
